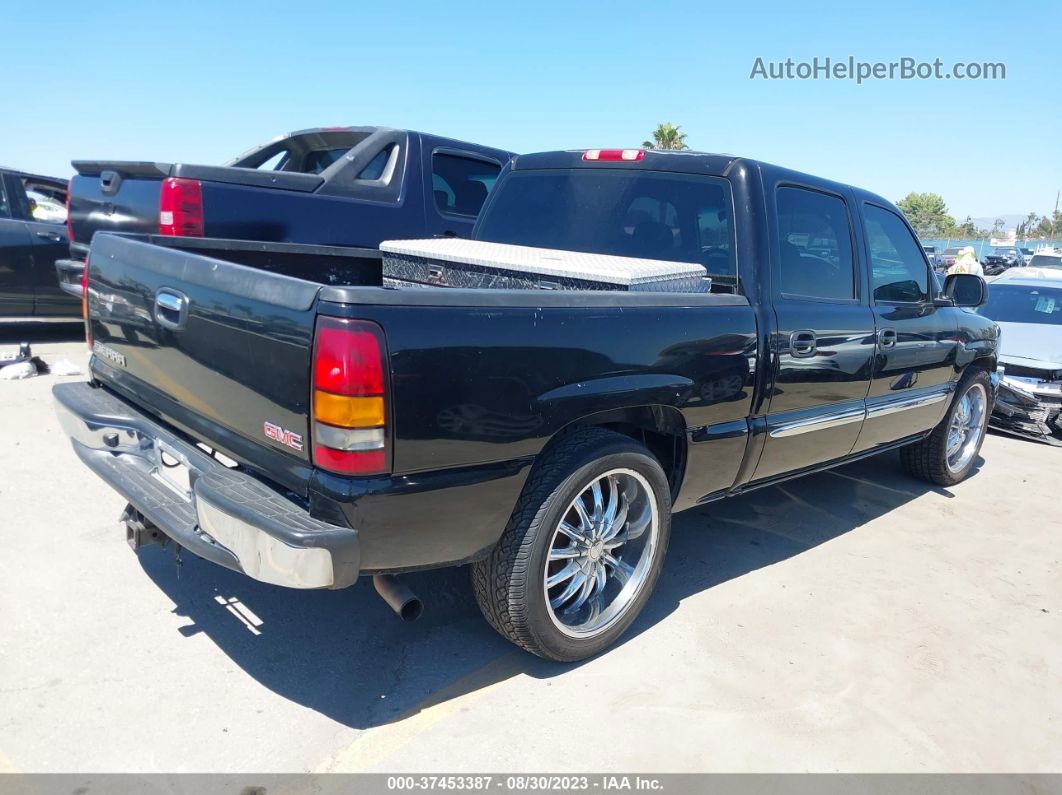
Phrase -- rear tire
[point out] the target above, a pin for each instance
(565, 580)
(949, 453)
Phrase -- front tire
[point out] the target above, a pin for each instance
(583, 548)
(948, 454)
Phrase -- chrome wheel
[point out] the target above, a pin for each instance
(966, 427)
(601, 553)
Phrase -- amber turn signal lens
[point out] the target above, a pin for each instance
(348, 412)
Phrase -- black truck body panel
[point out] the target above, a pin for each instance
(721, 386)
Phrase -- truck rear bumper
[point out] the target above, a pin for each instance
(69, 273)
(228, 516)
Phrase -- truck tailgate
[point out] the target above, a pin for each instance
(123, 196)
(218, 350)
(115, 197)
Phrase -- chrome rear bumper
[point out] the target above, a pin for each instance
(228, 516)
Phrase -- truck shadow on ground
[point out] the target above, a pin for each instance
(41, 333)
(346, 655)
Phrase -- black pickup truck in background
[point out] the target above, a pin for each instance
(33, 236)
(306, 433)
(339, 186)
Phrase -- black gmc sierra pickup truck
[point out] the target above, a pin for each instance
(306, 433)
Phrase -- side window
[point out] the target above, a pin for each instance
(275, 162)
(374, 169)
(5, 207)
(898, 269)
(815, 245)
(460, 184)
(47, 203)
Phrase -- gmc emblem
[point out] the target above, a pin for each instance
(285, 437)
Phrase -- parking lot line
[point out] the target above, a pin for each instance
(373, 746)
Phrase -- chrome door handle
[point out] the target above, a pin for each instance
(887, 338)
(51, 236)
(802, 344)
(171, 309)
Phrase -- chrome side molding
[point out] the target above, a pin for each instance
(903, 404)
(818, 423)
(850, 414)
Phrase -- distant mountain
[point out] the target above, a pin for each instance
(1010, 220)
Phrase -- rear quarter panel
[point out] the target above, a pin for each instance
(478, 392)
(478, 385)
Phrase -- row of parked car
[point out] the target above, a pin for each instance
(1025, 299)
(341, 187)
(281, 387)
(1001, 258)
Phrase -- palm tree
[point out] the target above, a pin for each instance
(667, 136)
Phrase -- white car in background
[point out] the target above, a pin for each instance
(1026, 303)
(46, 209)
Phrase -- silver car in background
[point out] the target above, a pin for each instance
(1027, 306)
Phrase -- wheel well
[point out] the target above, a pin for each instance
(661, 429)
(986, 363)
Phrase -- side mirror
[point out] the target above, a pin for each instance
(966, 289)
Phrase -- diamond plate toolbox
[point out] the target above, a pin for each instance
(474, 264)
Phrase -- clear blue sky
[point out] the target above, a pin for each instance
(202, 82)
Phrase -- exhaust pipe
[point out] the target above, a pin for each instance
(398, 597)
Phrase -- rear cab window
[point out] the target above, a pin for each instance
(460, 183)
(308, 152)
(649, 214)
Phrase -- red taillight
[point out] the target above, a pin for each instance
(84, 304)
(344, 462)
(181, 207)
(69, 219)
(614, 154)
(348, 357)
(349, 397)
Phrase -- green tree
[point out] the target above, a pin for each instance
(966, 230)
(1030, 226)
(927, 213)
(667, 136)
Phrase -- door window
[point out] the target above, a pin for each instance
(5, 207)
(898, 270)
(815, 245)
(460, 184)
(46, 201)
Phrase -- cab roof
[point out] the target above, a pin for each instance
(61, 183)
(685, 161)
